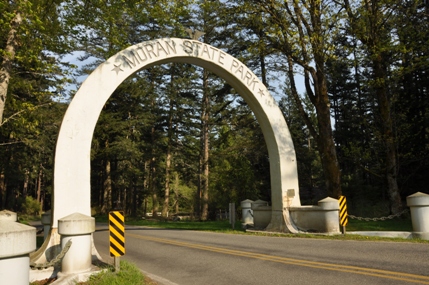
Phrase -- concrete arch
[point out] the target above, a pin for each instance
(72, 156)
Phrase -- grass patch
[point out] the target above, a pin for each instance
(213, 226)
(128, 274)
(396, 224)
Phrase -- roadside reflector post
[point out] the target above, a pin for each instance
(232, 214)
(117, 236)
(343, 213)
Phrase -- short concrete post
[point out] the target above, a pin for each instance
(246, 211)
(46, 222)
(419, 208)
(6, 215)
(232, 214)
(331, 208)
(77, 228)
(16, 243)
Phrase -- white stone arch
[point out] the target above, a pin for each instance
(72, 157)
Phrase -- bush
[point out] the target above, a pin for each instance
(31, 206)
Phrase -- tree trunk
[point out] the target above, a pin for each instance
(7, 61)
(39, 185)
(26, 180)
(204, 154)
(2, 191)
(176, 192)
(134, 201)
(323, 133)
(152, 175)
(107, 189)
(145, 186)
(326, 147)
(152, 188)
(373, 36)
(165, 206)
(388, 137)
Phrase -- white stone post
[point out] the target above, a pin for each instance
(6, 215)
(46, 222)
(246, 211)
(330, 207)
(77, 228)
(419, 208)
(16, 243)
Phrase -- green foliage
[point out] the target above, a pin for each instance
(401, 224)
(30, 206)
(158, 110)
(128, 274)
(215, 226)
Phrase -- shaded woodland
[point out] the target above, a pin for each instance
(350, 77)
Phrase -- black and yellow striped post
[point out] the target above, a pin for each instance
(343, 213)
(117, 236)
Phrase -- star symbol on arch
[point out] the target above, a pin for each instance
(117, 69)
(261, 92)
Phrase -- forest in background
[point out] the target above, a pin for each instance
(350, 77)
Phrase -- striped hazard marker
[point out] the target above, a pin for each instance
(117, 233)
(343, 211)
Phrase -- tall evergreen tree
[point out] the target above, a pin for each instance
(375, 36)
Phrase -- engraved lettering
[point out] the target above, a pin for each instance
(221, 57)
(205, 50)
(170, 46)
(149, 50)
(240, 70)
(197, 50)
(234, 65)
(141, 52)
(253, 83)
(248, 77)
(161, 48)
(213, 53)
(187, 46)
(134, 61)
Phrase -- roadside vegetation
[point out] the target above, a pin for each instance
(402, 224)
(128, 274)
(176, 138)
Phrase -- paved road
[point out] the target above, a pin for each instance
(191, 257)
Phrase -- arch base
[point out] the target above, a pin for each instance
(282, 222)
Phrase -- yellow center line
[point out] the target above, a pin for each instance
(420, 279)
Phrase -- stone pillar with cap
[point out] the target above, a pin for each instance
(16, 243)
(76, 228)
(246, 211)
(330, 211)
(419, 208)
(46, 222)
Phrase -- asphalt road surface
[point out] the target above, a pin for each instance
(192, 257)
